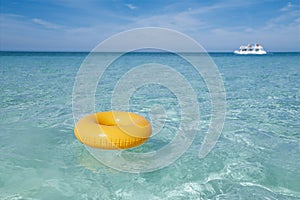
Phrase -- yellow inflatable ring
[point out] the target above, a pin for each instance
(113, 130)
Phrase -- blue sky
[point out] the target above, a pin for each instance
(75, 25)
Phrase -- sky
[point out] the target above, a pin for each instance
(78, 25)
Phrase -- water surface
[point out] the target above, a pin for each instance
(256, 157)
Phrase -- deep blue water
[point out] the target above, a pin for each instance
(256, 157)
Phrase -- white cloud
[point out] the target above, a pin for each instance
(180, 21)
(284, 20)
(130, 6)
(287, 7)
(22, 34)
(190, 20)
(46, 24)
(297, 20)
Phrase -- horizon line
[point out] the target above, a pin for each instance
(50, 51)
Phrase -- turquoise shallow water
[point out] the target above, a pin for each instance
(256, 157)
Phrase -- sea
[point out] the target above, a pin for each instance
(256, 156)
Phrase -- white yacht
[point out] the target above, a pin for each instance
(256, 49)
